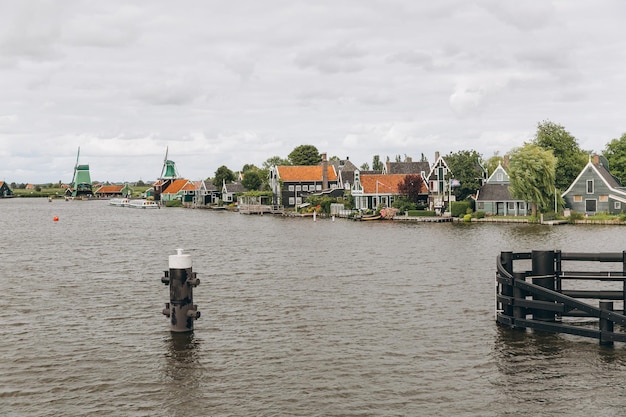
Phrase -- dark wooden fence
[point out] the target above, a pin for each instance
(536, 299)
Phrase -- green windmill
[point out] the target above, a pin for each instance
(81, 182)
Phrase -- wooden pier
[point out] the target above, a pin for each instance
(546, 297)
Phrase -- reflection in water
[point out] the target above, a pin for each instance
(183, 372)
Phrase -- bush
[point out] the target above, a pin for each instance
(459, 208)
(479, 215)
(575, 215)
(421, 213)
(467, 218)
(173, 203)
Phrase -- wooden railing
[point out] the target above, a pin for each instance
(536, 298)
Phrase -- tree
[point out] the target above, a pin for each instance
(377, 165)
(252, 180)
(570, 158)
(532, 172)
(466, 168)
(305, 155)
(275, 161)
(410, 187)
(364, 166)
(615, 153)
(492, 163)
(223, 175)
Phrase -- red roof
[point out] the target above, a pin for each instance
(305, 173)
(110, 189)
(175, 186)
(387, 183)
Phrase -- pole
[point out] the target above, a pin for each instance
(181, 310)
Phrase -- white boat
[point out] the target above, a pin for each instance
(143, 204)
(119, 202)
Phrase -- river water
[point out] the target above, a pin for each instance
(299, 318)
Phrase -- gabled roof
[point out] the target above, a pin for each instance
(385, 183)
(494, 192)
(440, 162)
(175, 186)
(493, 178)
(408, 167)
(208, 185)
(192, 186)
(110, 189)
(234, 187)
(597, 167)
(305, 173)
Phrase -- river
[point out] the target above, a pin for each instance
(299, 318)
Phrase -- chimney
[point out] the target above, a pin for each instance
(408, 159)
(324, 172)
(436, 155)
(596, 159)
(505, 161)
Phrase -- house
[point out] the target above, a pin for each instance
(494, 197)
(230, 191)
(174, 190)
(373, 190)
(595, 190)
(439, 184)
(115, 190)
(292, 184)
(407, 167)
(5, 191)
(209, 194)
(345, 171)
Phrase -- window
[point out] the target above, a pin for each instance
(499, 176)
(298, 187)
(522, 206)
(617, 205)
(603, 198)
(292, 201)
(578, 199)
(589, 186)
(480, 205)
(291, 187)
(318, 187)
(305, 188)
(511, 206)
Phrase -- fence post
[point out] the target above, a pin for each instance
(605, 324)
(542, 265)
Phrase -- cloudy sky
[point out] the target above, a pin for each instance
(239, 81)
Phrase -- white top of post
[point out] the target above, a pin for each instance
(180, 260)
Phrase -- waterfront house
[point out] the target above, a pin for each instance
(5, 191)
(373, 190)
(439, 185)
(113, 190)
(595, 190)
(407, 167)
(174, 190)
(231, 191)
(494, 197)
(292, 184)
(345, 172)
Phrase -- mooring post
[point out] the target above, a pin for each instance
(543, 265)
(506, 259)
(624, 282)
(606, 326)
(518, 294)
(181, 279)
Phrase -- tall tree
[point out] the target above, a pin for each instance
(305, 155)
(223, 174)
(532, 172)
(364, 166)
(252, 180)
(466, 168)
(377, 165)
(275, 161)
(615, 153)
(570, 158)
(410, 187)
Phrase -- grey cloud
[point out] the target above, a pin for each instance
(334, 59)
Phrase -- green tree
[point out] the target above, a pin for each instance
(615, 153)
(223, 174)
(466, 168)
(252, 180)
(364, 166)
(305, 155)
(492, 163)
(570, 158)
(532, 171)
(275, 161)
(377, 165)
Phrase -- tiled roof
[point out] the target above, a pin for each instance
(495, 192)
(408, 167)
(305, 173)
(110, 189)
(191, 186)
(387, 184)
(175, 186)
(235, 187)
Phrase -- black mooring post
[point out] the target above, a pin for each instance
(519, 294)
(506, 259)
(543, 265)
(624, 282)
(606, 326)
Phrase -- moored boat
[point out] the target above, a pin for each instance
(143, 204)
(119, 202)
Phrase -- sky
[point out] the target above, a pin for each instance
(237, 82)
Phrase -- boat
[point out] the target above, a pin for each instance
(143, 204)
(119, 202)
(367, 217)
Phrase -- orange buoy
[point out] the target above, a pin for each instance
(55, 218)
